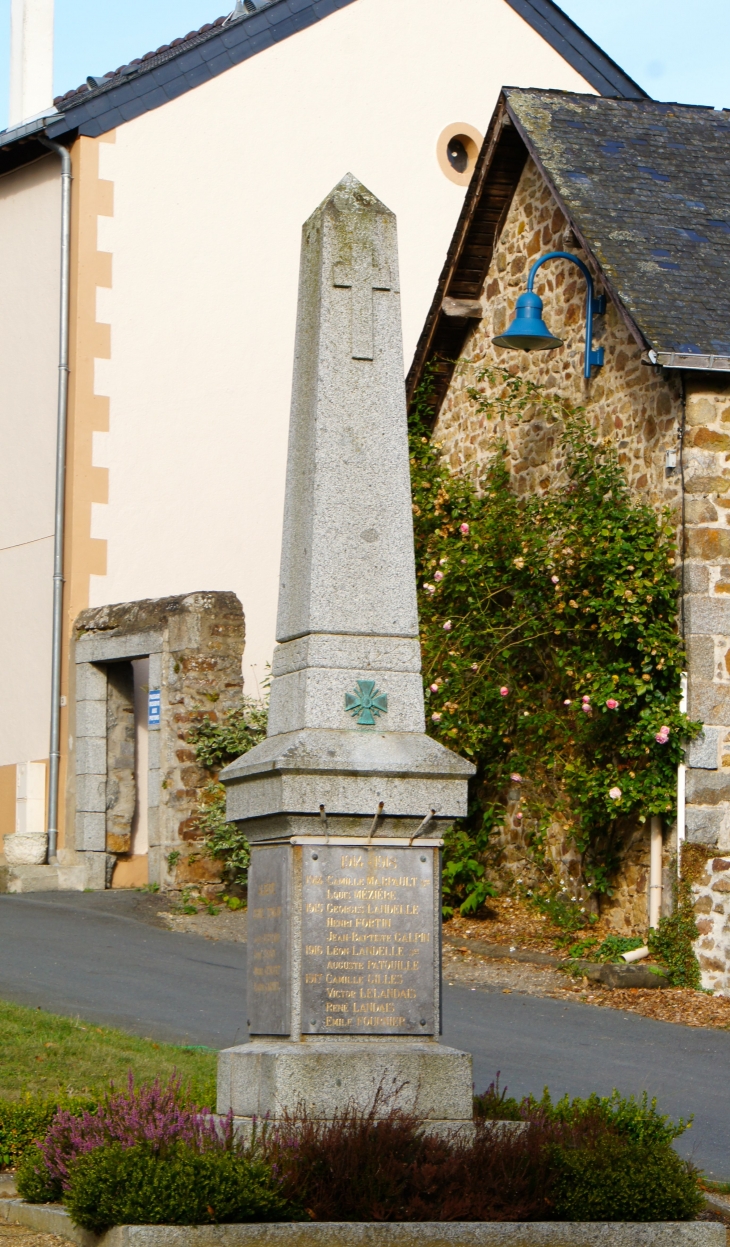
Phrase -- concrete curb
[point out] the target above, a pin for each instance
(608, 973)
(53, 1219)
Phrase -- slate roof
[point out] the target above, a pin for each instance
(647, 185)
(646, 188)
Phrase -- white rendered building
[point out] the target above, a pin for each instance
(193, 170)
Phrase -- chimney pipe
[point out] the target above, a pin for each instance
(31, 59)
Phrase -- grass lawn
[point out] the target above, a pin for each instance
(42, 1053)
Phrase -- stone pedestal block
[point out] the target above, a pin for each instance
(324, 1075)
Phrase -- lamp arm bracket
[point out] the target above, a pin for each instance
(595, 304)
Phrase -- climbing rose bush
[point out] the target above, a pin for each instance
(550, 643)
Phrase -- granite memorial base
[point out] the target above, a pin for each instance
(344, 986)
(324, 1075)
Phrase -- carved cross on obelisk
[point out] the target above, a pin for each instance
(362, 275)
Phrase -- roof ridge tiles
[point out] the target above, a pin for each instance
(172, 47)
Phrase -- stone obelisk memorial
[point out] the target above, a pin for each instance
(346, 801)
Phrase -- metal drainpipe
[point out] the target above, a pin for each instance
(62, 425)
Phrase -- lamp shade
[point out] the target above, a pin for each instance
(528, 331)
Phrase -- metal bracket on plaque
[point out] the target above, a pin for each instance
(375, 821)
(420, 829)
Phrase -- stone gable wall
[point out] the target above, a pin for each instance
(640, 409)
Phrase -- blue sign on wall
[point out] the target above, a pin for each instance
(153, 708)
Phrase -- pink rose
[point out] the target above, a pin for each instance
(475, 666)
(516, 779)
(434, 688)
(664, 730)
(661, 739)
(518, 816)
(436, 717)
(586, 697)
(555, 580)
(464, 530)
(614, 794)
(567, 702)
(612, 705)
(586, 707)
(503, 692)
(438, 575)
(447, 626)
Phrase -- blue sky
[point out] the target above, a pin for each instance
(676, 49)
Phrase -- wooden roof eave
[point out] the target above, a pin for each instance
(439, 329)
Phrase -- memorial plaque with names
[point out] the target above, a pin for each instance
(268, 975)
(368, 940)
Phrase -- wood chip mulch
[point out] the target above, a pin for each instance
(20, 1236)
(515, 925)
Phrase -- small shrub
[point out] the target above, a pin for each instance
(223, 840)
(638, 1120)
(672, 941)
(22, 1122)
(155, 1115)
(610, 949)
(217, 743)
(137, 1186)
(365, 1167)
(617, 1179)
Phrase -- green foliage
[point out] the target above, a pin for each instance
(562, 910)
(24, 1121)
(614, 1179)
(610, 949)
(133, 1186)
(215, 745)
(35, 1184)
(532, 609)
(463, 883)
(638, 1120)
(672, 941)
(223, 840)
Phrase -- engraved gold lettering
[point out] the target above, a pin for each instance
(381, 1021)
(273, 911)
(313, 978)
(315, 907)
(313, 950)
(352, 861)
(267, 889)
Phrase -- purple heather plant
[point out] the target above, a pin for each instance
(154, 1114)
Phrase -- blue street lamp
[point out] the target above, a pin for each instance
(528, 331)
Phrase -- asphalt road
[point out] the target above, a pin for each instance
(97, 955)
